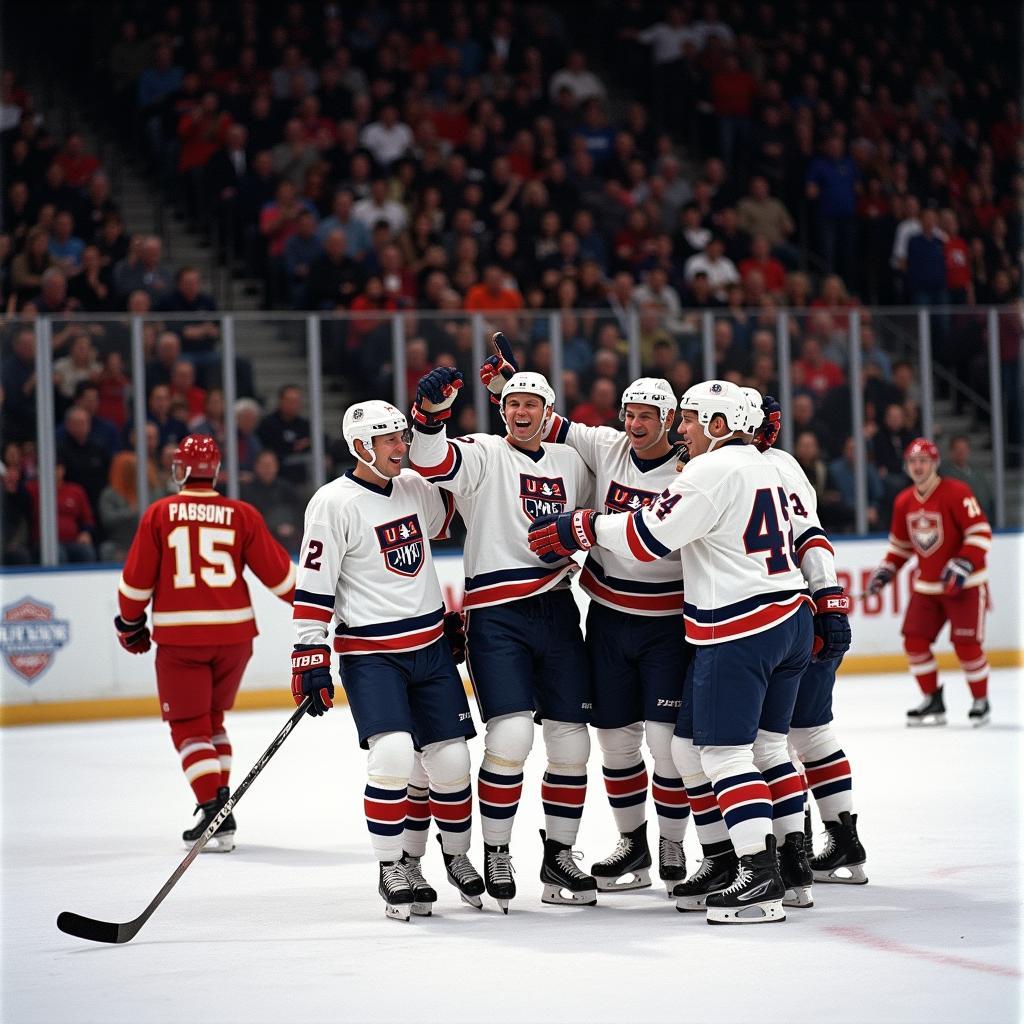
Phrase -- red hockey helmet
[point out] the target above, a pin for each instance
(196, 458)
(922, 446)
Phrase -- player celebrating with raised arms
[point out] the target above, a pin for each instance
(524, 651)
(939, 520)
(748, 614)
(366, 562)
(187, 558)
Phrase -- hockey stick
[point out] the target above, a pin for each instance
(108, 931)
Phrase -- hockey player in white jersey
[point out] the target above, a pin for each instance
(811, 735)
(748, 613)
(635, 638)
(366, 565)
(525, 651)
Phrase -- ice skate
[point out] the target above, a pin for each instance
(223, 840)
(671, 863)
(629, 865)
(498, 870)
(757, 894)
(808, 829)
(979, 713)
(395, 890)
(842, 860)
(463, 876)
(796, 872)
(716, 872)
(564, 883)
(424, 895)
(931, 711)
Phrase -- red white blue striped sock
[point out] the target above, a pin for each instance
(417, 822)
(498, 792)
(627, 794)
(707, 816)
(746, 804)
(831, 784)
(787, 789)
(672, 806)
(452, 809)
(386, 812)
(563, 797)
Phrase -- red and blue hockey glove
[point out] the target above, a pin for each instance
(954, 575)
(435, 393)
(455, 634)
(832, 636)
(133, 636)
(880, 579)
(496, 370)
(768, 433)
(311, 677)
(557, 536)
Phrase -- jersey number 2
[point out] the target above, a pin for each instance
(219, 570)
(764, 532)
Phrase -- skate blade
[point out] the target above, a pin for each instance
(397, 911)
(670, 884)
(770, 912)
(798, 896)
(686, 904)
(558, 896)
(422, 909)
(977, 723)
(923, 723)
(640, 879)
(855, 875)
(218, 844)
(474, 901)
(503, 904)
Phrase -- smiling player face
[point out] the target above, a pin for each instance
(390, 451)
(920, 469)
(523, 417)
(644, 428)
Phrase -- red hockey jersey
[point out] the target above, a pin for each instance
(946, 522)
(188, 556)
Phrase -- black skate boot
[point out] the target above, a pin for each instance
(931, 711)
(843, 858)
(498, 870)
(756, 895)
(395, 890)
(808, 830)
(671, 863)
(424, 895)
(979, 713)
(716, 872)
(464, 877)
(223, 840)
(560, 876)
(629, 866)
(796, 872)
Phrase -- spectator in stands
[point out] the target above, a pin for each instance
(958, 466)
(842, 478)
(77, 164)
(888, 446)
(295, 156)
(377, 207)
(28, 267)
(183, 386)
(301, 251)
(247, 421)
(334, 277)
(286, 433)
(805, 418)
(926, 263)
(170, 430)
(167, 354)
(144, 269)
(197, 336)
(388, 138)
(833, 513)
(15, 509)
(719, 269)
(761, 261)
(582, 84)
(53, 293)
(119, 505)
(211, 422)
(601, 409)
(80, 364)
(86, 461)
(93, 289)
(113, 386)
(65, 246)
(492, 294)
(277, 500)
(99, 205)
(831, 183)
(101, 432)
(76, 525)
(357, 234)
(959, 285)
(818, 375)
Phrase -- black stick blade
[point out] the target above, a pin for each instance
(87, 928)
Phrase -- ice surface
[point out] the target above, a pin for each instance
(289, 927)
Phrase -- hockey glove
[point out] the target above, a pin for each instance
(880, 578)
(435, 393)
(496, 370)
(133, 636)
(768, 433)
(455, 634)
(832, 636)
(311, 676)
(555, 537)
(954, 575)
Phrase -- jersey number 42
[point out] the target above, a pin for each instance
(769, 530)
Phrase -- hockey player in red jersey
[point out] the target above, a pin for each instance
(187, 558)
(940, 521)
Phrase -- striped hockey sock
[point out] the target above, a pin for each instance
(925, 669)
(223, 746)
(707, 816)
(417, 822)
(386, 813)
(975, 666)
(498, 792)
(746, 804)
(787, 792)
(831, 784)
(563, 796)
(627, 794)
(672, 806)
(453, 812)
(201, 766)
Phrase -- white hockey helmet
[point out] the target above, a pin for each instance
(525, 382)
(755, 414)
(366, 420)
(654, 391)
(717, 398)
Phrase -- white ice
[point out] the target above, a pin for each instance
(289, 927)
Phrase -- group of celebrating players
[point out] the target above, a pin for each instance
(730, 682)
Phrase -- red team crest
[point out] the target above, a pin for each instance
(541, 495)
(925, 530)
(401, 544)
(623, 498)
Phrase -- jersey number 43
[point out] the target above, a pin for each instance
(769, 530)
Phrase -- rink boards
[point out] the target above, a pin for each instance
(61, 661)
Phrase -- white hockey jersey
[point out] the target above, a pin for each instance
(728, 512)
(624, 483)
(500, 490)
(365, 561)
(815, 555)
